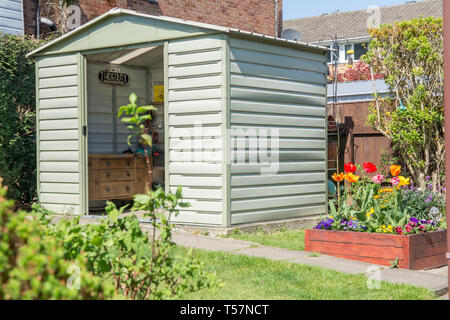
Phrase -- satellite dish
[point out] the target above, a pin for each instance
(291, 34)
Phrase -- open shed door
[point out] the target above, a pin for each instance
(60, 139)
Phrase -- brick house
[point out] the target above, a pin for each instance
(258, 16)
(360, 142)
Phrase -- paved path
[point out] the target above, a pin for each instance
(435, 280)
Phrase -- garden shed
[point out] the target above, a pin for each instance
(241, 120)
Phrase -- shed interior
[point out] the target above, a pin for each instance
(116, 170)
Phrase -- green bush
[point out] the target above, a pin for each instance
(140, 265)
(17, 117)
(33, 265)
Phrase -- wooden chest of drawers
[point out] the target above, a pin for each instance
(117, 177)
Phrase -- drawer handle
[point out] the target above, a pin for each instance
(128, 174)
(127, 188)
(108, 190)
(107, 163)
(128, 163)
(108, 175)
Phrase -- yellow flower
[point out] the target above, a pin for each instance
(350, 177)
(403, 182)
(376, 197)
(338, 177)
(370, 213)
(388, 190)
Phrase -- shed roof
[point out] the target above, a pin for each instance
(174, 26)
(353, 24)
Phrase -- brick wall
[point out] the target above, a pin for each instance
(250, 15)
(29, 13)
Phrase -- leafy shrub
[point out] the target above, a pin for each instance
(33, 265)
(17, 117)
(138, 264)
(410, 55)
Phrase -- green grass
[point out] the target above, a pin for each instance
(287, 239)
(247, 278)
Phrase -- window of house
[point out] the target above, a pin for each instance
(360, 50)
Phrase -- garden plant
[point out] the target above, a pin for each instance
(409, 55)
(18, 117)
(387, 204)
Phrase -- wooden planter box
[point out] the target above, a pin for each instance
(415, 252)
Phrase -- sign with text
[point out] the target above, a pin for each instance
(113, 76)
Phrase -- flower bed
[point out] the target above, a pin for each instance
(414, 251)
(383, 219)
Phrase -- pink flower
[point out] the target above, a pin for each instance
(378, 179)
(399, 230)
(395, 181)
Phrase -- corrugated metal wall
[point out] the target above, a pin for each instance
(195, 104)
(58, 127)
(11, 17)
(276, 87)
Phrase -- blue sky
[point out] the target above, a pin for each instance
(305, 8)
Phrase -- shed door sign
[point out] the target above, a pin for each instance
(113, 76)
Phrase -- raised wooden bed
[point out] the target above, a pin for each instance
(415, 252)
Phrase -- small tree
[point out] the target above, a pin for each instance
(410, 56)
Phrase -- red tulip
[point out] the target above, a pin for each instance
(369, 167)
(350, 168)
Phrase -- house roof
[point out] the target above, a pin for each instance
(350, 25)
(124, 12)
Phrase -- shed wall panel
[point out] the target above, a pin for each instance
(278, 93)
(11, 17)
(58, 126)
(195, 105)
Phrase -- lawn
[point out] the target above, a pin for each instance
(247, 278)
(287, 239)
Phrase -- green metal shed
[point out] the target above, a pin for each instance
(242, 127)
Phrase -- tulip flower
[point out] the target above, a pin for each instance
(378, 179)
(369, 167)
(403, 181)
(338, 177)
(350, 177)
(395, 170)
(349, 168)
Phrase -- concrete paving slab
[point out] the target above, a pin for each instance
(209, 243)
